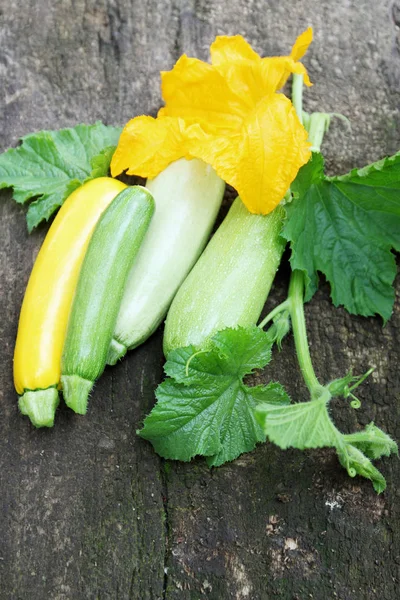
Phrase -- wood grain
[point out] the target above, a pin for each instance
(88, 511)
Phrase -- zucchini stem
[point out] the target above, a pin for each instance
(76, 392)
(40, 406)
(318, 126)
(116, 351)
(276, 311)
(297, 95)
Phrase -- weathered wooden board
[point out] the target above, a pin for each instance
(88, 511)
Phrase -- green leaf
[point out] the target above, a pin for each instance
(50, 165)
(357, 463)
(373, 442)
(345, 227)
(302, 425)
(308, 425)
(204, 407)
(233, 352)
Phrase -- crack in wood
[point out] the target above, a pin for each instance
(167, 532)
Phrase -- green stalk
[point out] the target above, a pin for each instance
(297, 95)
(40, 406)
(317, 125)
(274, 313)
(296, 304)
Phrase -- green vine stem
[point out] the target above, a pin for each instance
(317, 125)
(296, 308)
(275, 312)
(297, 95)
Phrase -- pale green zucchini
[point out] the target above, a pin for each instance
(188, 195)
(111, 251)
(230, 283)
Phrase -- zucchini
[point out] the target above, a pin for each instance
(230, 283)
(188, 195)
(112, 249)
(48, 298)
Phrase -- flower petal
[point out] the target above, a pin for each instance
(300, 46)
(250, 77)
(229, 115)
(231, 48)
(263, 159)
(147, 145)
(299, 49)
(219, 96)
(277, 69)
(198, 93)
(273, 149)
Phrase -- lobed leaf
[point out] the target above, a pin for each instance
(345, 227)
(204, 407)
(50, 165)
(308, 425)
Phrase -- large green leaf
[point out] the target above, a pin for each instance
(345, 227)
(204, 407)
(49, 165)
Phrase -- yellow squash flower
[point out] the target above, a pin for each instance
(229, 114)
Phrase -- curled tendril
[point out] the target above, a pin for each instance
(189, 360)
(355, 403)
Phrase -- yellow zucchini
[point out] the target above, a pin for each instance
(48, 298)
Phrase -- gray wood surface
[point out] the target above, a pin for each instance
(87, 510)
